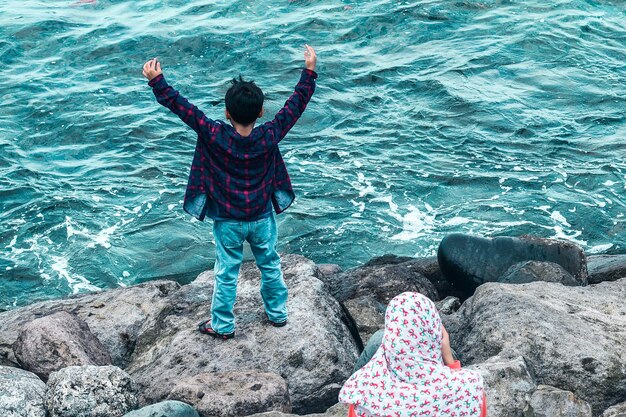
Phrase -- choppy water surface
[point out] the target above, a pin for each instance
(430, 117)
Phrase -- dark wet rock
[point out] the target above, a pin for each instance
(428, 267)
(548, 401)
(508, 385)
(573, 338)
(618, 410)
(337, 410)
(90, 391)
(22, 393)
(448, 305)
(233, 394)
(606, 268)
(388, 259)
(532, 271)
(469, 261)
(315, 352)
(114, 316)
(165, 409)
(364, 292)
(56, 341)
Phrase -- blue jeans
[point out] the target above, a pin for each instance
(229, 238)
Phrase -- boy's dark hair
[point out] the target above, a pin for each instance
(244, 101)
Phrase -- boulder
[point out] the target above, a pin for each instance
(426, 266)
(234, 393)
(22, 393)
(314, 353)
(573, 338)
(115, 317)
(337, 410)
(470, 261)
(57, 341)
(548, 401)
(448, 305)
(90, 391)
(618, 410)
(606, 268)
(165, 409)
(508, 385)
(533, 271)
(364, 292)
(328, 269)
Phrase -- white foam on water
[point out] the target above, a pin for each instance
(557, 216)
(457, 221)
(415, 224)
(393, 207)
(528, 179)
(559, 233)
(77, 283)
(101, 238)
(363, 186)
(12, 242)
(600, 248)
(609, 183)
(361, 208)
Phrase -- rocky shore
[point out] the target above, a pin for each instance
(546, 328)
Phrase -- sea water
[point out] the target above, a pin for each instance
(493, 117)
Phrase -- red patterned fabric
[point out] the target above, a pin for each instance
(406, 376)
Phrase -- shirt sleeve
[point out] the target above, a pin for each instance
(179, 105)
(295, 105)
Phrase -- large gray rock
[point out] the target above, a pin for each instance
(56, 341)
(618, 410)
(165, 409)
(233, 394)
(90, 391)
(573, 338)
(115, 317)
(470, 261)
(315, 352)
(548, 401)
(365, 292)
(337, 410)
(508, 385)
(606, 268)
(533, 271)
(22, 393)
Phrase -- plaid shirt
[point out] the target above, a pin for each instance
(236, 177)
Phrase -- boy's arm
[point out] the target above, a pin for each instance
(170, 98)
(295, 105)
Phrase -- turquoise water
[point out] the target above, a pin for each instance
(430, 117)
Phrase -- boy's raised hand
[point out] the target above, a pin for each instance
(152, 69)
(310, 58)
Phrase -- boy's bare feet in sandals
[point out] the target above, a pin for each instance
(205, 328)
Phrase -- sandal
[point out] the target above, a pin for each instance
(205, 328)
(276, 324)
